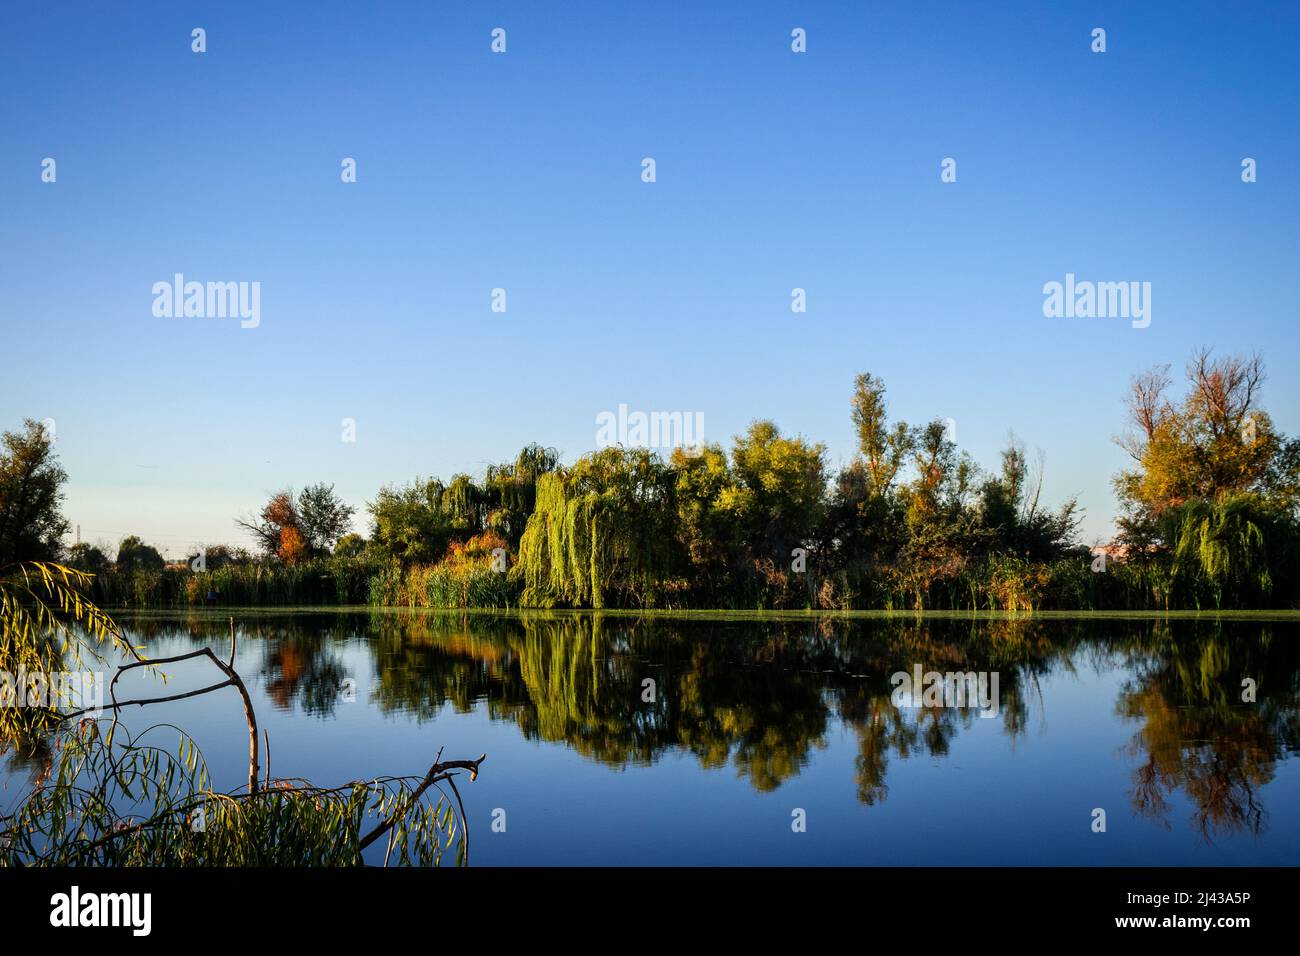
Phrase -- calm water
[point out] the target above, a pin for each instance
(754, 719)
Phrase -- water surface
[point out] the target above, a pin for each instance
(749, 721)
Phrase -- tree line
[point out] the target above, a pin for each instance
(1210, 506)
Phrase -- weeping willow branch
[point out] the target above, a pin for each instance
(116, 799)
(47, 626)
(438, 772)
(67, 823)
(601, 532)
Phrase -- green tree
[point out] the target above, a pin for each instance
(1012, 513)
(88, 558)
(943, 533)
(323, 517)
(884, 448)
(418, 522)
(778, 493)
(863, 529)
(32, 525)
(510, 491)
(940, 491)
(134, 555)
(408, 523)
(706, 530)
(350, 546)
(217, 556)
(298, 528)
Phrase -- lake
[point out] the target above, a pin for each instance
(761, 739)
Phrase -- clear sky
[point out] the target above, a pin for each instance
(522, 171)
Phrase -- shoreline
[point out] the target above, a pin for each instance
(717, 614)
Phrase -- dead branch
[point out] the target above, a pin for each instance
(438, 772)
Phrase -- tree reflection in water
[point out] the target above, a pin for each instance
(1196, 733)
(762, 695)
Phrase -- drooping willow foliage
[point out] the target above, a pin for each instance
(1228, 552)
(512, 490)
(118, 800)
(47, 628)
(602, 533)
(110, 798)
(415, 523)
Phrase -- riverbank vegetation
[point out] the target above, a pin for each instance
(1209, 520)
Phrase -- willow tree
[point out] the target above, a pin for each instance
(511, 490)
(601, 533)
(463, 505)
(1232, 552)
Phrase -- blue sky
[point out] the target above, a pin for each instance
(775, 170)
